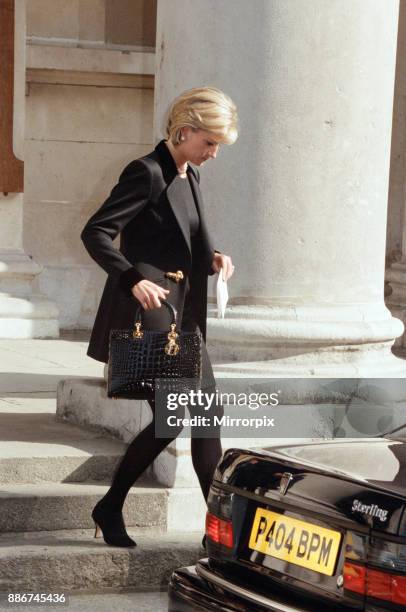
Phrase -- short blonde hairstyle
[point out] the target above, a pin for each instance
(203, 108)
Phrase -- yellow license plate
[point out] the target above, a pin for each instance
(297, 542)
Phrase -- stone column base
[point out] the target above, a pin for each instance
(295, 341)
(396, 302)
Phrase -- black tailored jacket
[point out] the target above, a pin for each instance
(153, 223)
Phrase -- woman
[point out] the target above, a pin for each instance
(157, 208)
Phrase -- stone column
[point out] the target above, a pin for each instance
(396, 275)
(24, 313)
(300, 200)
(396, 231)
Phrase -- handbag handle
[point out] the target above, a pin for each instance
(172, 347)
(171, 308)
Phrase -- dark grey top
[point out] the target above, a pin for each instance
(184, 190)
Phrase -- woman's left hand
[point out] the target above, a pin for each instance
(221, 261)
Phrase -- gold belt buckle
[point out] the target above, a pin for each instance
(175, 276)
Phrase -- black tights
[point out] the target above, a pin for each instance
(145, 447)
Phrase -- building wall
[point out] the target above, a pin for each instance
(80, 133)
(79, 136)
(129, 22)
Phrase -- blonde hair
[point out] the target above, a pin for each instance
(203, 108)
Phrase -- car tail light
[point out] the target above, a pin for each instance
(219, 530)
(354, 577)
(379, 584)
(399, 589)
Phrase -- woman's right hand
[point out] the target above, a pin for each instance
(149, 294)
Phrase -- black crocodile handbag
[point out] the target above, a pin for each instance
(137, 357)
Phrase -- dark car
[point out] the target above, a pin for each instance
(309, 527)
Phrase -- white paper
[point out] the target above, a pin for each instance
(222, 295)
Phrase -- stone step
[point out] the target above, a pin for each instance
(36, 447)
(80, 468)
(73, 560)
(83, 402)
(54, 506)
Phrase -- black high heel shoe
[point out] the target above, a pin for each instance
(111, 524)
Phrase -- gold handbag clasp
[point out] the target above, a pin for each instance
(138, 333)
(175, 276)
(172, 348)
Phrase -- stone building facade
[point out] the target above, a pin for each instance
(300, 201)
